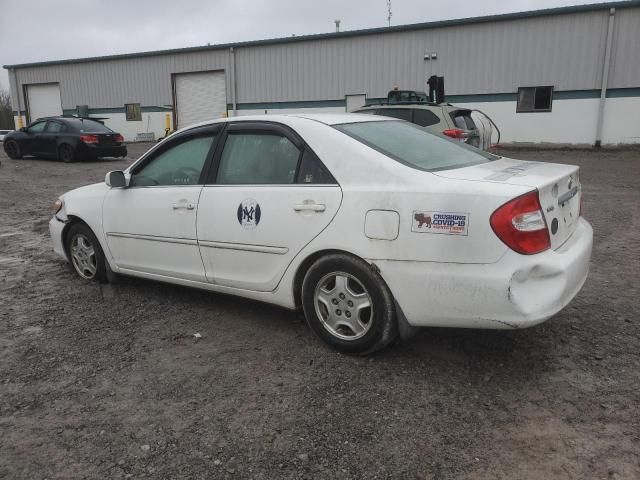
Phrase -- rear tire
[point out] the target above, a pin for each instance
(85, 253)
(348, 305)
(12, 149)
(66, 153)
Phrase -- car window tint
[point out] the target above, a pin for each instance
(36, 127)
(413, 146)
(85, 125)
(425, 118)
(401, 113)
(256, 158)
(91, 126)
(313, 171)
(180, 164)
(54, 127)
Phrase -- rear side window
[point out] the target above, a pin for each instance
(413, 146)
(400, 113)
(425, 118)
(313, 171)
(258, 159)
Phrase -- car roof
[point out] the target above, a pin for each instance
(324, 118)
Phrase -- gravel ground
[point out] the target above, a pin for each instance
(109, 381)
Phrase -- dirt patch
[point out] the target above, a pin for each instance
(110, 381)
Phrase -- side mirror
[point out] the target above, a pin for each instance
(24, 129)
(116, 179)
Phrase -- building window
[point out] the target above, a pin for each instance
(534, 99)
(134, 114)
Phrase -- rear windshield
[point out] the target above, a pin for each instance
(413, 146)
(84, 125)
(462, 119)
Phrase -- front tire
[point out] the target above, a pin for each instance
(85, 253)
(66, 153)
(12, 149)
(348, 305)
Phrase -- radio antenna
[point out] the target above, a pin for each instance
(389, 14)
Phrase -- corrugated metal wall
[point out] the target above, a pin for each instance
(565, 51)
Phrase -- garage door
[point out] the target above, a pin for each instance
(200, 97)
(44, 100)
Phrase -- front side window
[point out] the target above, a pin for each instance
(534, 99)
(179, 164)
(37, 127)
(413, 146)
(258, 159)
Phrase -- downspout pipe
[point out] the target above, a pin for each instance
(232, 54)
(15, 79)
(605, 78)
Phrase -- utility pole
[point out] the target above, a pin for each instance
(389, 12)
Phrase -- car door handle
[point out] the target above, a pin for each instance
(186, 206)
(310, 207)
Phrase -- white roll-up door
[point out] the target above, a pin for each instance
(200, 97)
(44, 100)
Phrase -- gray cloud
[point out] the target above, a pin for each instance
(40, 30)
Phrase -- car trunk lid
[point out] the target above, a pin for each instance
(558, 186)
(108, 139)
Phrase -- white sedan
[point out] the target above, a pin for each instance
(369, 224)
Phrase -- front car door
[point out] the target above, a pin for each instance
(151, 225)
(268, 196)
(30, 144)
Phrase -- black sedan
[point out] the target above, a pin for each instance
(65, 138)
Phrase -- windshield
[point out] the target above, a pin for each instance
(413, 146)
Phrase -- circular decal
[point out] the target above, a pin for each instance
(249, 213)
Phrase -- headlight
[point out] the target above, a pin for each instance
(57, 206)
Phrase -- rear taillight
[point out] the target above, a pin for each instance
(456, 133)
(520, 224)
(89, 138)
(119, 138)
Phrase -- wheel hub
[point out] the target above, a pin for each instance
(343, 305)
(83, 256)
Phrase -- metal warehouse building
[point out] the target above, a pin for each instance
(564, 75)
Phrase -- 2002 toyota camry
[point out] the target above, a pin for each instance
(371, 225)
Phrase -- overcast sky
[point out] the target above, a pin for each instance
(36, 30)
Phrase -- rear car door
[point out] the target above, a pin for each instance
(50, 137)
(269, 197)
(151, 225)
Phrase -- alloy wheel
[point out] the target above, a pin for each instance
(343, 305)
(83, 256)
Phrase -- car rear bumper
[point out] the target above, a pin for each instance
(517, 291)
(95, 151)
(56, 227)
